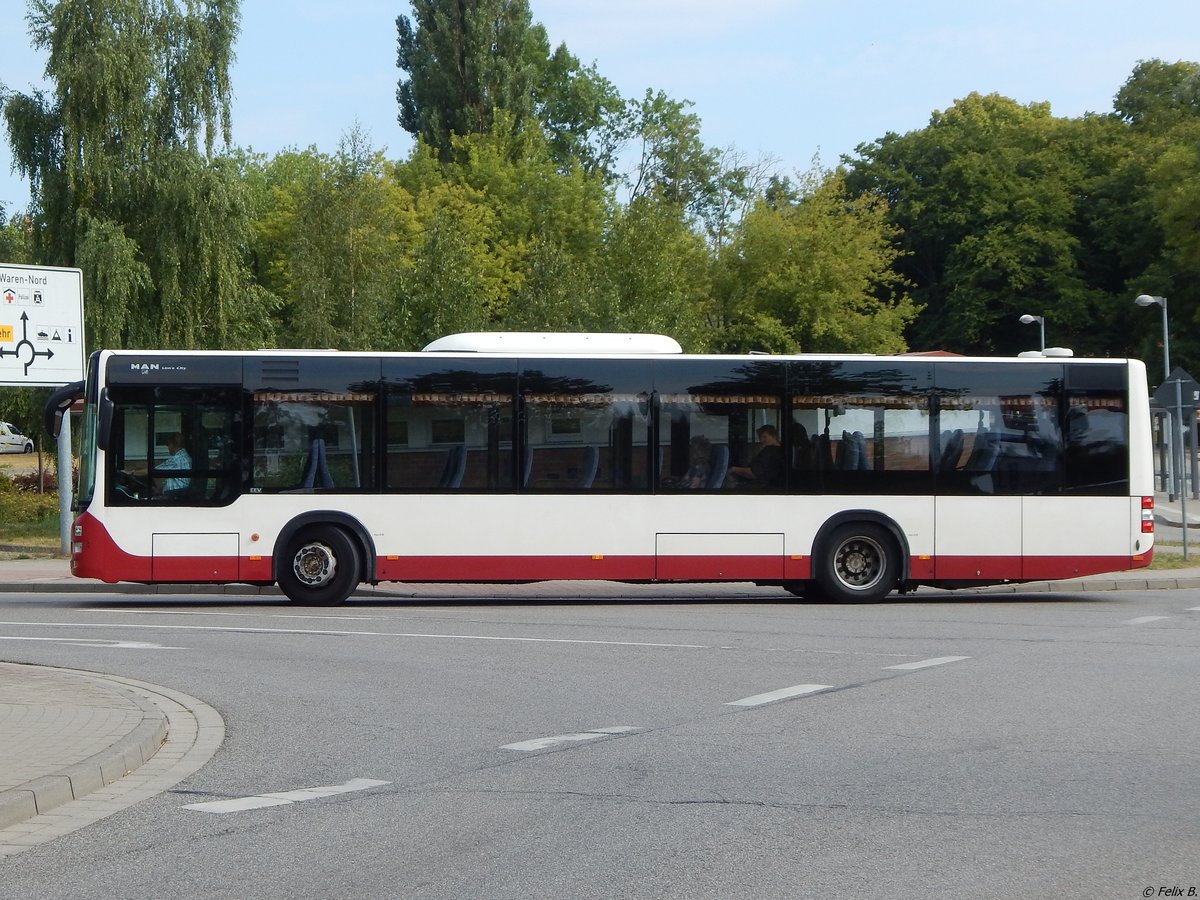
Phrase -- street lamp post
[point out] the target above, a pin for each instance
(1041, 320)
(1147, 300)
(1173, 433)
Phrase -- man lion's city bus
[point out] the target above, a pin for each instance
(525, 457)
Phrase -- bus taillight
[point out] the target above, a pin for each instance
(1147, 515)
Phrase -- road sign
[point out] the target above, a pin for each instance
(1189, 391)
(41, 325)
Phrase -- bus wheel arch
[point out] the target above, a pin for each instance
(321, 558)
(859, 556)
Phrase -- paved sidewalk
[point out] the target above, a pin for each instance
(66, 734)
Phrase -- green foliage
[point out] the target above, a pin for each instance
(16, 245)
(124, 181)
(986, 202)
(21, 507)
(1159, 95)
(465, 60)
(814, 274)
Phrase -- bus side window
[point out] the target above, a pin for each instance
(448, 438)
(309, 441)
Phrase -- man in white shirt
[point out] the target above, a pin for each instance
(179, 459)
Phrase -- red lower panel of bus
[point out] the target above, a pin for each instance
(102, 559)
(598, 568)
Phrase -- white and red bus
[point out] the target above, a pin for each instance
(504, 458)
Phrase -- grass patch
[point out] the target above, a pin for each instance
(1173, 559)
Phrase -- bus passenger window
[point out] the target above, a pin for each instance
(444, 438)
(313, 440)
(861, 428)
(720, 441)
(582, 441)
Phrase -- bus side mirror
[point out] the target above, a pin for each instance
(57, 405)
(104, 421)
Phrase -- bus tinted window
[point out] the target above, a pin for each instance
(1097, 430)
(586, 426)
(449, 427)
(860, 427)
(720, 426)
(999, 429)
(313, 440)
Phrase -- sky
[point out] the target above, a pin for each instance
(790, 80)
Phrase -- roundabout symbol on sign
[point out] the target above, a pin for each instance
(25, 347)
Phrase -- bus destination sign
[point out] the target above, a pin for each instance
(41, 325)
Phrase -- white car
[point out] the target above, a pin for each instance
(12, 441)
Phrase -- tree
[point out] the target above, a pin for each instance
(653, 274)
(460, 277)
(465, 59)
(15, 239)
(123, 177)
(332, 235)
(673, 162)
(985, 205)
(1158, 94)
(814, 274)
(585, 119)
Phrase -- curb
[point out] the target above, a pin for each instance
(41, 795)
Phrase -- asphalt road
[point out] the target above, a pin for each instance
(966, 746)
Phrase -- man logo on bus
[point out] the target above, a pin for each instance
(144, 368)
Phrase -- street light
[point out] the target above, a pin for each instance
(1176, 486)
(1041, 320)
(1147, 300)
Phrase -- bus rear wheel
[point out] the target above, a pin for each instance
(860, 564)
(319, 566)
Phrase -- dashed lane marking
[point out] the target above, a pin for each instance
(1142, 620)
(926, 663)
(797, 690)
(259, 801)
(594, 734)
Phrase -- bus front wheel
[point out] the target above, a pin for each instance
(319, 566)
(860, 564)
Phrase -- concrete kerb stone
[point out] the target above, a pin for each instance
(41, 795)
(17, 805)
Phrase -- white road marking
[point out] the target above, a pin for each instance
(282, 798)
(93, 642)
(594, 735)
(232, 615)
(781, 694)
(1194, 609)
(400, 634)
(1142, 620)
(926, 663)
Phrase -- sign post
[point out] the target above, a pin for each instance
(41, 345)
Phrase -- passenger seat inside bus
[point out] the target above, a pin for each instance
(456, 466)
(316, 468)
(719, 468)
(952, 448)
(591, 464)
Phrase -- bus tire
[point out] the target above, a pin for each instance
(319, 566)
(860, 564)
